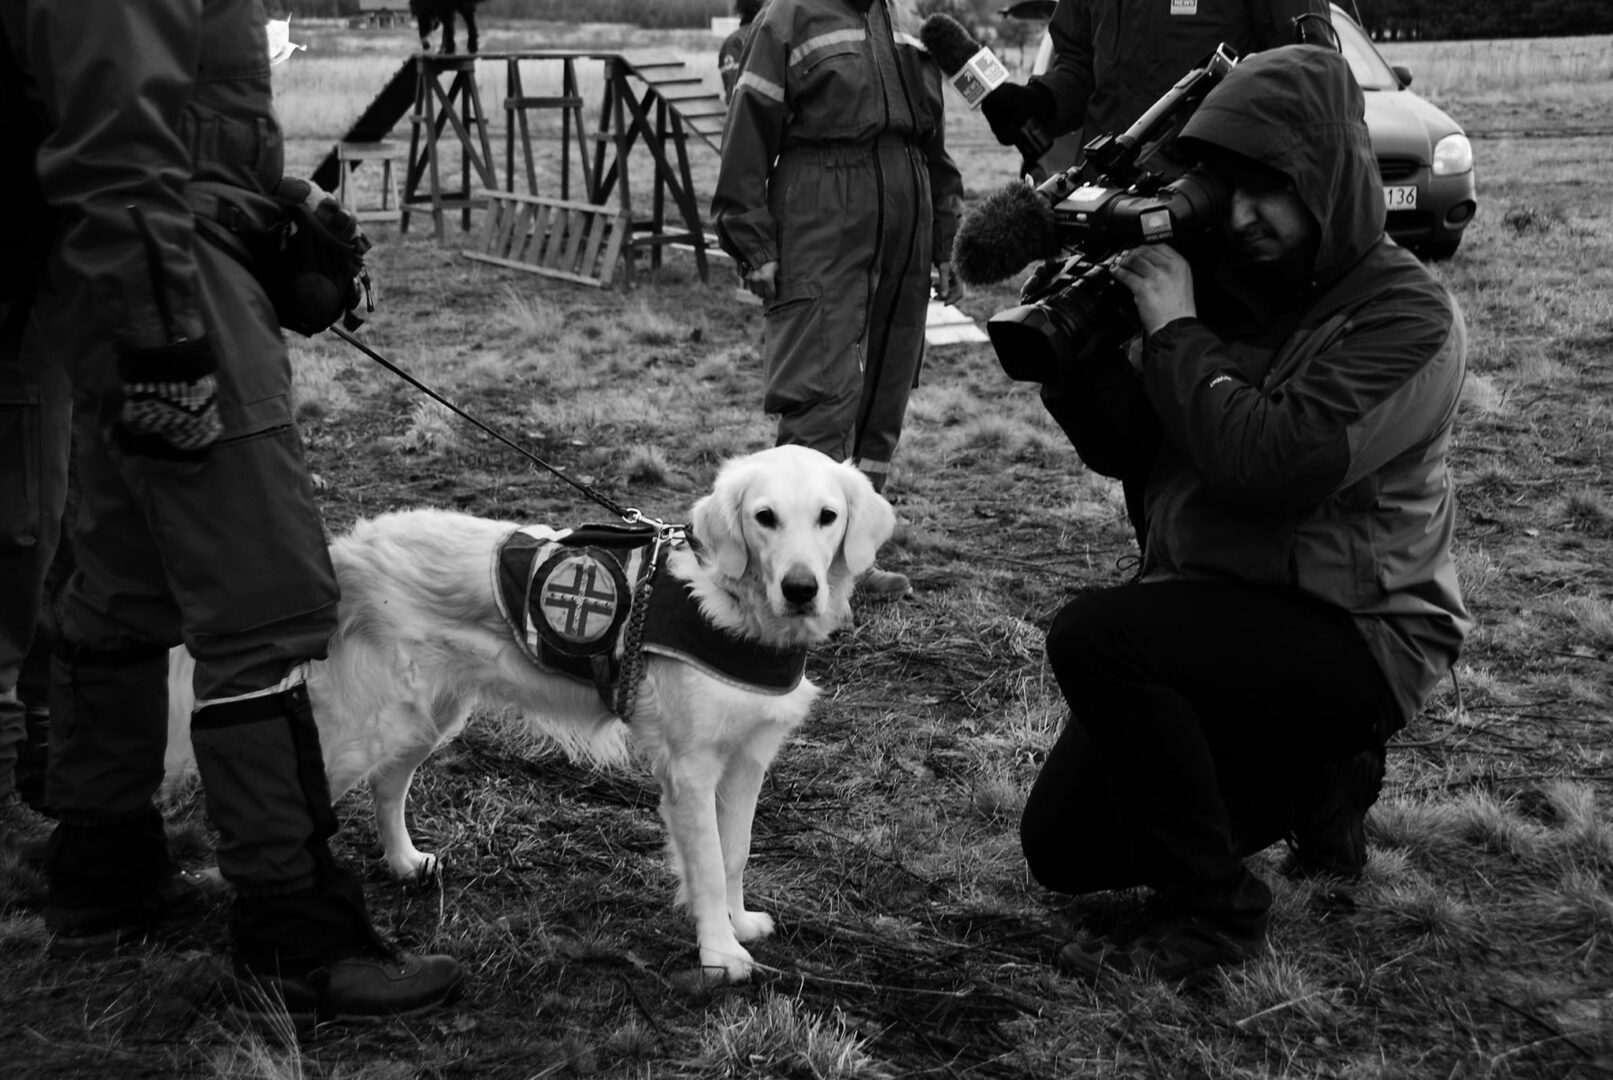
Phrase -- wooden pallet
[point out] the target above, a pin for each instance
(573, 241)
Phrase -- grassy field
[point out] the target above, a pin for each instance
(911, 941)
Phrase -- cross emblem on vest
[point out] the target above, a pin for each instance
(579, 599)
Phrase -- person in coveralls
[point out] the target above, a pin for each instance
(835, 197)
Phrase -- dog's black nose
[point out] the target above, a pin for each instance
(799, 586)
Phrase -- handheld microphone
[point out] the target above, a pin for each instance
(1010, 229)
(974, 72)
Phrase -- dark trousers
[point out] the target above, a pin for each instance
(1198, 710)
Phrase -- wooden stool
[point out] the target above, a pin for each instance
(348, 156)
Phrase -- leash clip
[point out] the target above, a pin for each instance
(664, 533)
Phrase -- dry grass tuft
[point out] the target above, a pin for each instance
(432, 429)
(780, 1037)
(1532, 219)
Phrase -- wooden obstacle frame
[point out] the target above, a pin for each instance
(651, 104)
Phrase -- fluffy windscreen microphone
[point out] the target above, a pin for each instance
(1010, 229)
(974, 71)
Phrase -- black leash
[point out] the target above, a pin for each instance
(628, 514)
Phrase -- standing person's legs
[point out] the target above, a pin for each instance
(817, 324)
(897, 314)
(1201, 700)
(35, 407)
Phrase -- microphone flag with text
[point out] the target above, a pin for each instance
(974, 71)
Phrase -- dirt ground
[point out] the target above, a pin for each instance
(886, 846)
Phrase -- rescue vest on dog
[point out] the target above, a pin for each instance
(568, 596)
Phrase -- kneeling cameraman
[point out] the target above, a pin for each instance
(1297, 600)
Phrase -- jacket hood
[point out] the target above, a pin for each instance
(1299, 110)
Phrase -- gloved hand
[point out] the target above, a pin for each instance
(170, 401)
(1009, 107)
(324, 280)
(330, 213)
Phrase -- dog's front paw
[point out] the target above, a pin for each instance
(725, 964)
(412, 864)
(752, 925)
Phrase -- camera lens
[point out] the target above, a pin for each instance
(1064, 331)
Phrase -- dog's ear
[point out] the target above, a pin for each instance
(871, 520)
(716, 524)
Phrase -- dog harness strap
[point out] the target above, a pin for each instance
(566, 598)
(633, 643)
(676, 628)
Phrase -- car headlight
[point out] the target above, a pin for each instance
(1453, 155)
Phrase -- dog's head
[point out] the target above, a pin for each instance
(796, 523)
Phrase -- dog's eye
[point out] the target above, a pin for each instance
(766, 519)
(827, 517)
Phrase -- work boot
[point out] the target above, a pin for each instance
(314, 955)
(1329, 837)
(883, 585)
(24, 836)
(1194, 936)
(32, 756)
(353, 988)
(93, 931)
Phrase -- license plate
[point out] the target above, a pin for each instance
(1400, 196)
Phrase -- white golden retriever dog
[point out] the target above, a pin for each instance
(422, 642)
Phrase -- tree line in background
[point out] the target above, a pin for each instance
(1443, 20)
(1458, 20)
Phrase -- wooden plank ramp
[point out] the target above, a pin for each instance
(559, 238)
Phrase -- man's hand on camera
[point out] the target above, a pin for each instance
(762, 281)
(948, 289)
(1011, 105)
(1160, 281)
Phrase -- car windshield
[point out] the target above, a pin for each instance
(1370, 69)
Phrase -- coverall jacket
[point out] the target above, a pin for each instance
(834, 165)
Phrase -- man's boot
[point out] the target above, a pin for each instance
(1194, 932)
(1329, 837)
(300, 932)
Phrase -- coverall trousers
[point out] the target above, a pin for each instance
(35, 403)
(845, 334)
(227, 557)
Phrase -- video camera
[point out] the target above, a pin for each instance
(1127, 191)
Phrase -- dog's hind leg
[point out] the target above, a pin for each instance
(391, 777)
(389, 788)
(736, 808)
(689, 807)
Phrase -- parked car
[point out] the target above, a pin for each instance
(1424, 156)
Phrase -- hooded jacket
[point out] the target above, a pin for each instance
(1307, 417)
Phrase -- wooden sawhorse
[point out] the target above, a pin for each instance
(460, 105)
